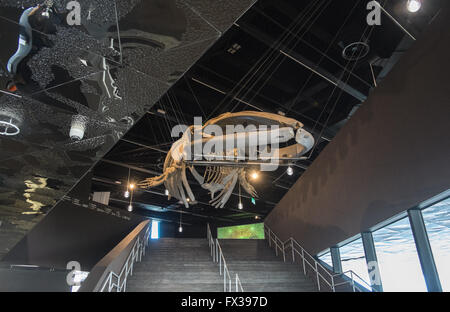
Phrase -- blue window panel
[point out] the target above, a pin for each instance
(437, 222)
(326, 257)
(353, 258)
(397, 258)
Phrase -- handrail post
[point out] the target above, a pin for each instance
(293, 251)
(284, 252)
(303, 258)
(217, 251)
(224, 279)
(270, 244)
(333, 288)
(236, 283)
(353, 281)
(317, 275)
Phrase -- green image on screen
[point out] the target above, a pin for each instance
(248, 231)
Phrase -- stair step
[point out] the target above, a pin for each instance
(185, 265)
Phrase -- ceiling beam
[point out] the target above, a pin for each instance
(144, 145)
(135, 168)
(301, 60)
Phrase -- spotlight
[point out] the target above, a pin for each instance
(131, 186)
(166, 192)
(126, 194)
(180, 229)
(414, 5)
(130, 208)
(255, 175)
(240, 206)
(290, 171)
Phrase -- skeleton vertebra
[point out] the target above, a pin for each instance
(222, 176)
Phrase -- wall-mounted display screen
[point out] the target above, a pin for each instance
(248, 231)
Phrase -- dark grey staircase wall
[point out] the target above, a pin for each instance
(32, 280)
(170, 230)
(71, 232)
(259, 269)
(176, 265)
(392, 155)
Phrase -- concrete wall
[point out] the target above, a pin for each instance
(393, 154)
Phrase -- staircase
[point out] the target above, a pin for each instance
(260, 269)
(176, 265)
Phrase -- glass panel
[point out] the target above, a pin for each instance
(326, 257)
(353, 258)
(437, 222)
(397, 258)
(155, 230)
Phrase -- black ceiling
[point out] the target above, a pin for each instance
(105, 73)
(282, 56)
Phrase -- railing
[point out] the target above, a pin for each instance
(321, 274)
(104, 277)
(119, 281)
(217, 255)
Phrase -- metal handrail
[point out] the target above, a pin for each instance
(218, 257)
(119, 281)
(352, 281)
(328, 278)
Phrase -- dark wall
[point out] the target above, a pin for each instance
(72, 232)
(167, 229)
(393, 154)
(12, 280)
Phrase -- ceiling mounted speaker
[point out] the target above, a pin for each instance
(355, 51)
(354, 44)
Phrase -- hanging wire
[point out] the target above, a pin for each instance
(279, 55)
(257, 64)
(273, 52)
(341, 91)
(317, 50)
(195, 97)
(349, 72)
(330, 45)
(345, 69)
